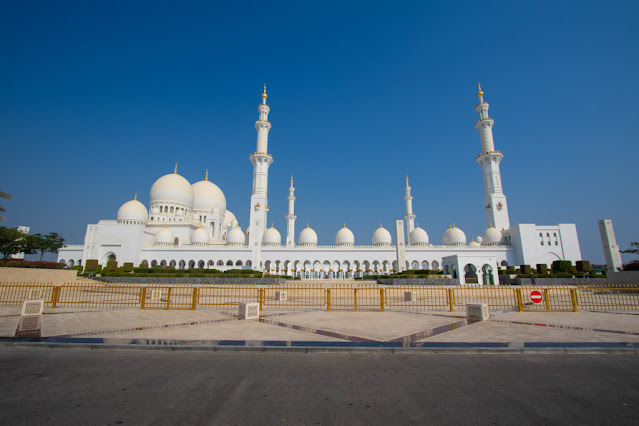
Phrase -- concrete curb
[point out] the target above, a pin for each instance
(347, 347)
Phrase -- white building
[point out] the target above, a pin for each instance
(188, 226)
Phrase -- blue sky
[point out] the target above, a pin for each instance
(99, 99)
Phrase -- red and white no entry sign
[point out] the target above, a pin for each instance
(536, 296)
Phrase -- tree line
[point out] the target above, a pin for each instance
(13, 242)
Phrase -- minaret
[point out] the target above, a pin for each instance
(409, 217)
(290, 217)
(261, 160)
(489, 159)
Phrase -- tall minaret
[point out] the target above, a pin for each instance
(489, 159)
(261, 160)
(409, 217)
(290, 217)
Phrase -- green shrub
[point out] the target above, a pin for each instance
(91, 265)
(111, 265)
(525, 269)
(77, 268)
(127, 267)
(562, 266)
(583, 266)
(542, 268)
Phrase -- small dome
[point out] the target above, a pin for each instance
(229, 217)
(308, 237)
(172, 188)
(381, 237)
(454, 237)
(474, 244)
(344, 237)
(418, 237)
(133, 211)
(235, 237)
(491, 237)
(165, 236)
(200, 236)
(271, 237)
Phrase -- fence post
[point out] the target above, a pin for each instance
(573, 297)
(355, 298)
(194, 304)
(54, 296)
(142, 297)
(520, 303)
(168, 298)
(260, 293)
(328, 299)
(381, 299)
(546, 299)
(450, 298)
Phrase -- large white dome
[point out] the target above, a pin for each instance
(381, 237)
(235, 237)
(308, 237)
(344, 237)
(133, 211)
(200, 236)
(172, 188)
(272, 237)
(491, 237)
(207, 196)
(418, 237)
(165, 236)
(454, 237)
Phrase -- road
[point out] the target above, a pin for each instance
(59, 386)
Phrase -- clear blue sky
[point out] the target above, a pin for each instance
(99, 99)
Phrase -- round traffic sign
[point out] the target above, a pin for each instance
(536, 296)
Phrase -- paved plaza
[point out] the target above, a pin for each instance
(322, 326)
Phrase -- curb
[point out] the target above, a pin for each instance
(326, 347)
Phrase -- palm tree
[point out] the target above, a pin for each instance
(2, 209)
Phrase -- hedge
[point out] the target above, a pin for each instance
(17, 263)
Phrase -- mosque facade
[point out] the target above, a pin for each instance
(189, 226)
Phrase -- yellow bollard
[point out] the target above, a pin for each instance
(355, 298)
(546, 299)
(55, 294)
(520, 303)
(261, 297)
(142, 297)
(194, 304)
(573, 297)
(450, 298)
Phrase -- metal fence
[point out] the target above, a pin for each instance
(305, 297)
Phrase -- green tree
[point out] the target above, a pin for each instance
(634, 248)
(49, 243)
(13, 241)
(2, 209)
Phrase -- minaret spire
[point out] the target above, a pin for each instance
(489, 159)
(261, 160)
(290, 217)
(409, 217)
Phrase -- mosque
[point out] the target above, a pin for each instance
(189, 226)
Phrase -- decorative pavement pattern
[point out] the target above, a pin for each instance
(332, 329)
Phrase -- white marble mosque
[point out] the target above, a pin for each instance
(189, 226)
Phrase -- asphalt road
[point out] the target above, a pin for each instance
(57, 386)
